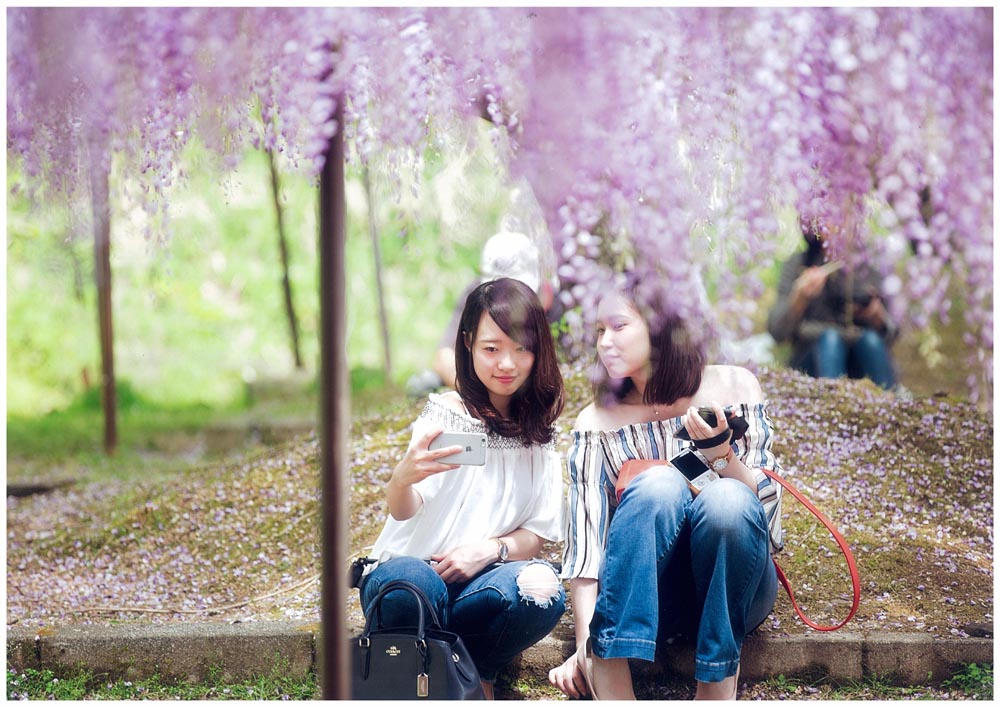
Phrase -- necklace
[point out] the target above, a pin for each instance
(637, 400)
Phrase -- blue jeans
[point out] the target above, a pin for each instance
(492, 614)
(708, 558)
(832, 357)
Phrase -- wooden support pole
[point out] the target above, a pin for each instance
(334, 420)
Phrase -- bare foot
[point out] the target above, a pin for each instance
(609, 679)
(722, 690)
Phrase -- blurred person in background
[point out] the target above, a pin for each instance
(837, 325)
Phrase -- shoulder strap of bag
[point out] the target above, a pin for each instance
(851, 565)
(424, 606)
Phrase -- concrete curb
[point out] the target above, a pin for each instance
(188, 651)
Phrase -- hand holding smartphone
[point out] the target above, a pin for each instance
(473, 447)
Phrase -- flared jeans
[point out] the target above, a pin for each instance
(698, 566)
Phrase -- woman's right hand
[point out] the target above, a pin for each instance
(808, 285)
(569, 678)
(419, 462)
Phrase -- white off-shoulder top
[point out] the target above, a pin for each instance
(520, 486)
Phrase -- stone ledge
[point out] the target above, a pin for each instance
(183, 651)
(187, 651)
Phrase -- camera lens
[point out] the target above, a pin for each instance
(708, 415)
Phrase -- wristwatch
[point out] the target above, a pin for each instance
(502, 550)
(720, 463)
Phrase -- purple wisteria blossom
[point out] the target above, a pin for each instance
(662, 140)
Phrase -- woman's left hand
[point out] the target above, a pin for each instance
(465, 562)
(699, 429)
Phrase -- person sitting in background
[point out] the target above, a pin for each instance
(812, 310)
(506, 254)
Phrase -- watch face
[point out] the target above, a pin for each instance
(720, 464)
(503, 552)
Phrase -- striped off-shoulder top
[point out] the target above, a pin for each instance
(595, 456)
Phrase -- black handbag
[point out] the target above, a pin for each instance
(412, 662)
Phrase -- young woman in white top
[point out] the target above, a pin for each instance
(663, 560)
(466, 535)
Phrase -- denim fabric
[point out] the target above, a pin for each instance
(708, 558)
(492, 615)
(832, 357)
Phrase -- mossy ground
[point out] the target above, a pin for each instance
(908, 482)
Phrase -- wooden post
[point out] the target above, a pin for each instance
(102, 277)
(333, 420)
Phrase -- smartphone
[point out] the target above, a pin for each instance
(695, 470)
(473, 447)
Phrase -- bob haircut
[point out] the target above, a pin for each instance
(676, 359)
(539, 401)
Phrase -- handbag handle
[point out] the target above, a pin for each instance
(851, 564)
(423, 605)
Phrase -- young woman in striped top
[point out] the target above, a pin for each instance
(664, 561)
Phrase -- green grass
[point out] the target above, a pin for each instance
(161, 439)
(68, 443)
(970, 682)
(45, 685)
(974, 680)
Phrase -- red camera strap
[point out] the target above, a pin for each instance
(851, 565)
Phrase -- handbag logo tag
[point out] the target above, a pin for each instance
(423, 688)
(392, 651)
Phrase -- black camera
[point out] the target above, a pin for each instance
(737, 424)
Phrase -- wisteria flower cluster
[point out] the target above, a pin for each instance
(661, 140)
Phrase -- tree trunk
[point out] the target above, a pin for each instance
(78, 295)
(383, 314)
(333, 420)
(286, 282)
(102, 276)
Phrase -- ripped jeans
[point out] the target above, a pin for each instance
(498, 613)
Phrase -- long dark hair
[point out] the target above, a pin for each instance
(539, 401)
(676, 359)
